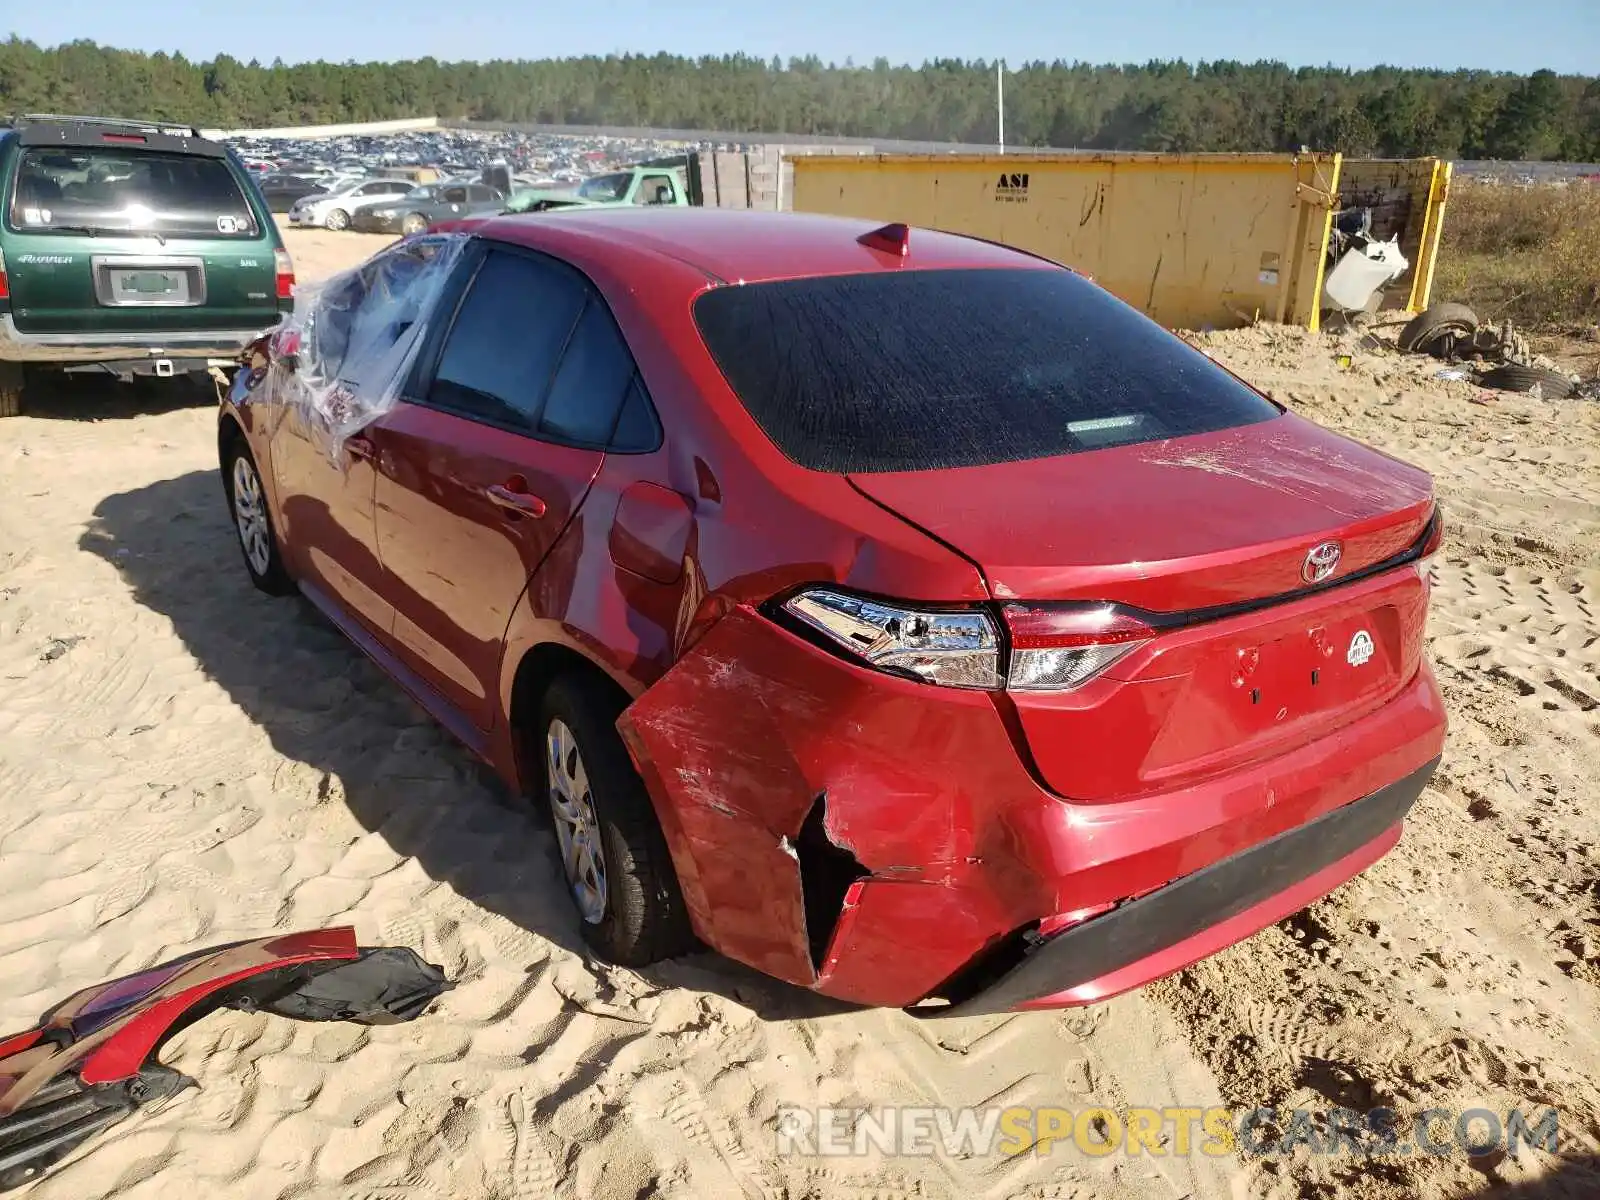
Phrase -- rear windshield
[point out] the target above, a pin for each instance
(915, 370)
(113, 190)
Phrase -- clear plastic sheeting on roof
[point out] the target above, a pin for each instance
(343, 356)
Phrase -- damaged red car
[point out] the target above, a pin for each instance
(897, 613)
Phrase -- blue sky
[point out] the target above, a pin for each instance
(1522, 36)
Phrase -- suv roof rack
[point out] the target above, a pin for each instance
(57, 129)
(179, 128)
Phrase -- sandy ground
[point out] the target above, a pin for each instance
(185, 761)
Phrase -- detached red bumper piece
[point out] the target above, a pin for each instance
(89, 1061)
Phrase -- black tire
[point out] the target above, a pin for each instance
(338, 219)
(269, 576)
(1552, 385)
(12, 380)
(413, 223)
(1436, 322)
(644, 920)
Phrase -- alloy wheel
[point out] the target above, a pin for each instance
(250, 515)
(577, 827)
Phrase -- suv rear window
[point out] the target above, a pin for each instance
(916, 370)
(113, 190)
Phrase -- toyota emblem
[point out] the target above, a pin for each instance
(1322, 560)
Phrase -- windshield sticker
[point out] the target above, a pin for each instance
(227, 224)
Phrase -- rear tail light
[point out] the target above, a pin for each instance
(1057, 647)
(5, 281)
(284, 265)
(953, 648)
(1054, 648)
(1435, 535)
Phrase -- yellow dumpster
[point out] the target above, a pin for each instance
(1195, 240)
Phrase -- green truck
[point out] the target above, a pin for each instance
(665, 182)
(130, 247)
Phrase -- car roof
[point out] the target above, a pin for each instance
(745, 246)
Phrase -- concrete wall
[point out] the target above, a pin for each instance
(326, 131)
(758, 177)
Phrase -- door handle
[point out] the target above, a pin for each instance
(360, 446)
(515, 500)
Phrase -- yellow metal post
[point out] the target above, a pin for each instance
(1433, 228)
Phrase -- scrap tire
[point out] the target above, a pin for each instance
(275, 579)
(644, 919)
(1434, 322)
(12, 380)
(338, 219)
(1511, 377)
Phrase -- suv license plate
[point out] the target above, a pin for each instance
(149, 287)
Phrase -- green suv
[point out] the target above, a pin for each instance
(129, 247)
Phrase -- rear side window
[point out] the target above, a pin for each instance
(589, 387)
(917, 370)
(115, 190)
(507, 338)
(534, 348)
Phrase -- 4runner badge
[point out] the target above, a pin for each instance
(1360, 648)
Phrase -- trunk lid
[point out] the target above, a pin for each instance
(1179, 528)
(1170, 526)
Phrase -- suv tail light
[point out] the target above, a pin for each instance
(5, 281)
(1054, 647)
(284, 265)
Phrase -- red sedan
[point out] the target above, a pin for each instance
(897, 613)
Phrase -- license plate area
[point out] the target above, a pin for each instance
(1326, 665)
(146, 282)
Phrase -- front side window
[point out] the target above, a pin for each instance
(114, 190)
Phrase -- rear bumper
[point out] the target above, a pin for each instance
(86, 347)
(883, 842)
(1196, 916)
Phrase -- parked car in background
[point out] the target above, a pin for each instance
(898, 613)
(133, 247)
(637, 185)
(424, 205)
(282, 191)
(334, 209)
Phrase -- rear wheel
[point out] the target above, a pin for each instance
(247, 501)
(413, 223)
(337, 219)
(612, 850)
(12, 379)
